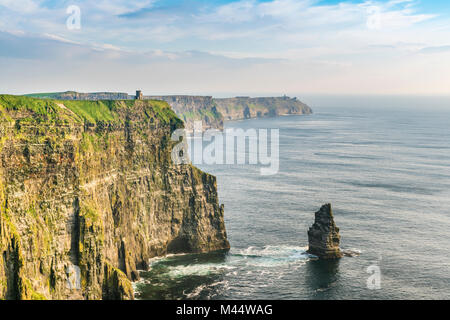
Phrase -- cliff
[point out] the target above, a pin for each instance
(194, 108)
(90, 186)
(212, 112)
(188, 108)
(245, 108)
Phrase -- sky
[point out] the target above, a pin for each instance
(223, 47)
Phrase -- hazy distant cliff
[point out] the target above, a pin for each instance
(194, 108)
(245, 107)
(91, 185)
(214, 112)
(73, 95)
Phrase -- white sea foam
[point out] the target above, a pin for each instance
(154, 260)
(259, 257)
(351, 252)
(271, 256)
(271, 251)
(197, 269)
(197, 291)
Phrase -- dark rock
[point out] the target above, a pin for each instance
(135, 275)
(324, 236)
(350, 253)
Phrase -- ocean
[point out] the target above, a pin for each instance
(383, 164)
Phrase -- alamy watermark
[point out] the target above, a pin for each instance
(73, 273)
(231, 146)
(374, 280)
(73, 22)
(374, 18)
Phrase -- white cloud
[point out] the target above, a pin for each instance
(287, 24)
(241, 11)
(439, 49)
(118, 7)
(21, 6)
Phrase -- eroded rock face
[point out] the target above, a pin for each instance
(323, 236)
(90, 187)
(194, 108)
(246, 108)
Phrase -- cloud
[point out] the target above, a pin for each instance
(439, 49)
(211, 25)
(21, 6)
(118, 7)
(42, 47)
(210, 46)
(298, 15)
(42, 63)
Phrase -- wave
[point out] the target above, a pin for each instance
(205, 288)
(282, 251)
(398, 188)
(197, 270)
(176, 266)
(269, 256)
(156, 260)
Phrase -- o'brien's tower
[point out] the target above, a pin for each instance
(139, 95)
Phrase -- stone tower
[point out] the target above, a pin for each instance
(139, 95)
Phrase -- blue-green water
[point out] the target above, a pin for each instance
(386, 172)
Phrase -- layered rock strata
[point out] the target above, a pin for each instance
(240, 108)
(89, 193)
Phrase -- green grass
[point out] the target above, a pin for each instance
(165, 113)
(21, 103)
(200, 114)
(83, 110)
(92, 111)
(89, 214)
(44, 95)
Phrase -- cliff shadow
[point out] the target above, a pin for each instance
(74, 227)
(185, 276)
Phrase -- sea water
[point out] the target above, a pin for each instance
(385, 167)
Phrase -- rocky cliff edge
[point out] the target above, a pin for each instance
(88, 194)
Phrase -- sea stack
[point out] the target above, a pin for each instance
(324, 236)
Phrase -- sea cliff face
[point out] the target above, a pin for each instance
(240, 108)
(194, 108)
(90, 186)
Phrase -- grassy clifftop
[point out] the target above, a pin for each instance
(65, 111)
(211, 111)
(72, 95)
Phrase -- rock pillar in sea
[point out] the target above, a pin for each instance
(324, 236)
